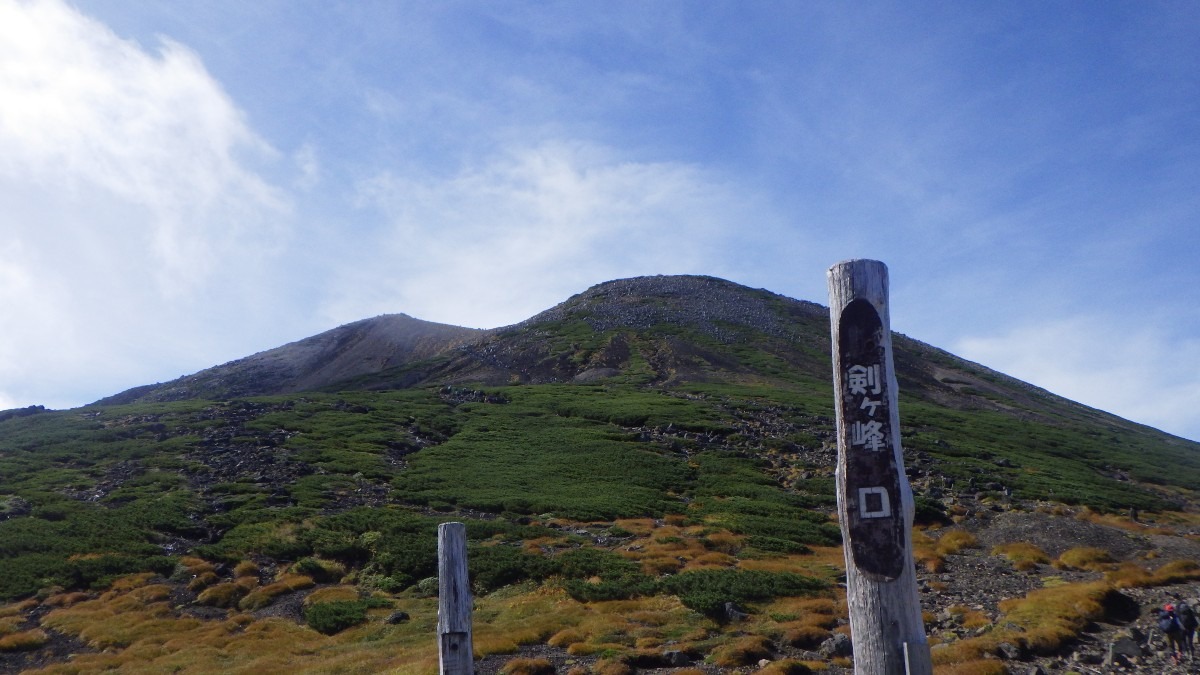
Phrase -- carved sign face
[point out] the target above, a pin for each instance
(872, 479)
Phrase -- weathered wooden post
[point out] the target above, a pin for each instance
(454, 602)
(875, 502)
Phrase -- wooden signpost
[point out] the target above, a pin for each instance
(454, 602)
(875, 502)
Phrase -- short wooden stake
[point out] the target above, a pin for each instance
(875, 502)
(454, 602)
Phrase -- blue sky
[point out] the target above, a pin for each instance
(183, 184)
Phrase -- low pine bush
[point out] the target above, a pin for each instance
(334, 617)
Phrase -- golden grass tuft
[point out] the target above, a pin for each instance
(1042, 621)
(640, 527)
(566, 637)
(723, 541)
(786, 667)
(954, 541)
(805, 636)
(925, 552)
(1085, 558)
(741, 652)
(18, 607)
(10, 624)
(1131, 575)
(523, 666)
(265, 595)
(65, 599)
(202, 581)
(1177, 571)
(245, 568)
(331, 594)
(131, 582)
(221, 595)
(612, 667)
(1051, 616)
(23, 641)
(713, 560)
(493, 643)
(661, 565)
(969, 618)
(1023, 555)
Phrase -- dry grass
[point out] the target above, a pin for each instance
(612, 667)
(1130, 575)
(1042, 621)
(65, 599)
(1023, 555)
(10, 624)
(221, 595)
(712, 560)
(970, 619)
(23, 641)
(527, 667)
(139, 631)
(743, 651)
(245, 568)
(827, 563)
(203, 581)
(16, 608)
(724, 541)
(640, 527)
(805, 636)
(925, 552)
(331, 594)
(1085, 558)
(265, 595)
(954, 541)
(930, 552)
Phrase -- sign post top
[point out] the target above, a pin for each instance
(859, 278)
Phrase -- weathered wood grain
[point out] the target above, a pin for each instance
(875, 502)
(454, 602)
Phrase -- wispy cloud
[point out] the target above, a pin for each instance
(521, 231)
(131, 190)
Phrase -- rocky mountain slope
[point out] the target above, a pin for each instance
(321, 361)
(645, 471)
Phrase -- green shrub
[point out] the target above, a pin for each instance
(707, 591)
(334, 617)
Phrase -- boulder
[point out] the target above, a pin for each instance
(837, 645)
(1125, 646)
(1009, 651)
(673, 658)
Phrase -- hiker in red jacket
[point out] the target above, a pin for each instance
(1170, 626)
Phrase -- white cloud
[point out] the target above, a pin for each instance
(85, 109)
(522, 231)
(134, 213)
(1140, 373)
